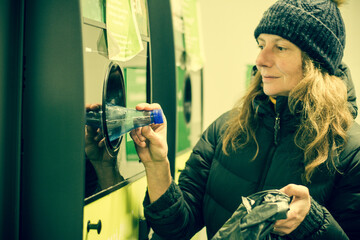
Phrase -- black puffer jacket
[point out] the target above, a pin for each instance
(211, 185)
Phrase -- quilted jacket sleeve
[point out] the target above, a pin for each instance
(178, 213)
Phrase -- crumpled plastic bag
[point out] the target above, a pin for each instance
(255, 217)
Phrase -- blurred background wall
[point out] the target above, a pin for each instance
(229, 46)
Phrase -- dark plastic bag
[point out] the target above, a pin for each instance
(255, 217)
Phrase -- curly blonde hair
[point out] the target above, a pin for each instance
(319, 99)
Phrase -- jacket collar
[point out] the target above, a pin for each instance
(343, 72)
(267, 115)
(264, 107)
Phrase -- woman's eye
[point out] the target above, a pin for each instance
(281, 48)
(261, 47)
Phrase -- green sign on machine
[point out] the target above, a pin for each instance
(192, 34)
(123, 34)
(139, 8)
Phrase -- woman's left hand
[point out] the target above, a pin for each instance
(299, 208)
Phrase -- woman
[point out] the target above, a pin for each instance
(293, 130)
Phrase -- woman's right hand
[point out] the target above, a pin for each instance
(151, 146)
(150, 141)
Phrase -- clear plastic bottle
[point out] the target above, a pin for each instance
(120, 120)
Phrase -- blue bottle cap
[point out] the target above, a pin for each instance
(157, 116)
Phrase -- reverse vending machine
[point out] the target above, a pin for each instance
(61, 60)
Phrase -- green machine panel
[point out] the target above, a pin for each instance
(184, 97)
(136, 85)
(11, 48)
(189, 78)
(52, 132)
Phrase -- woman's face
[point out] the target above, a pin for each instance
(280, 64)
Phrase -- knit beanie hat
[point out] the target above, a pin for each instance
(315, 26)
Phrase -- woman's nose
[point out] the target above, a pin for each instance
(265, 58)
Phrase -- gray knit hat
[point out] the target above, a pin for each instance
(315, 26)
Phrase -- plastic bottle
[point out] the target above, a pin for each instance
(120, 120)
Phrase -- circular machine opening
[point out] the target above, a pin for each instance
(187, 99)
(113, 95)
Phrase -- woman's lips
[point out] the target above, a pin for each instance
(268, 78)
